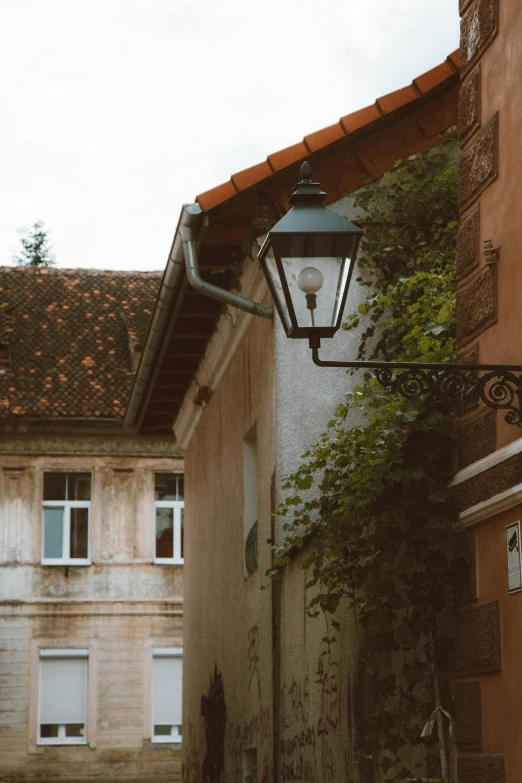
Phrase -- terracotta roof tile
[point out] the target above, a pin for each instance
(251, 176)
(279, 160)
(431, 79)
(454, 58)
(63, 363)
(325, 136)
(394, 100)
(358, 119)
(214, 196)
(322, 138)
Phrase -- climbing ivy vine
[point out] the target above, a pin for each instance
(369, 503)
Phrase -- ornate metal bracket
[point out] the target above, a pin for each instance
(499, 387)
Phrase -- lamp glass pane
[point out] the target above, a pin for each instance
(335, 273)
(277, 288)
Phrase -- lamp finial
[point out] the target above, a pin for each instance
(306, 171)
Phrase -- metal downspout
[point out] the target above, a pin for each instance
(182, 256)
(169, 287)
(213, 291)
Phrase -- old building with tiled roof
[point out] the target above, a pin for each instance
(71, 339)
(91, 537)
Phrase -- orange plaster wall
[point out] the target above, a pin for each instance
(501, 202)
(501, 692)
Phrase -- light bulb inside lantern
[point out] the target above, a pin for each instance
(310, 280)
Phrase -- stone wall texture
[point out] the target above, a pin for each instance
(478, 164)
(478, 647)
(476, 437)
(468, 242)
(478, 27)
(482, 769)
(477, 303)
(468, 715)
(491, 482)
(469, 105)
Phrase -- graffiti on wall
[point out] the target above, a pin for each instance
(253, 659)
(329, 704)
(244, 734)
(306, 754)
(214, 712)
(295, 702)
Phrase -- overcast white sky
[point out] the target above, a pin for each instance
(115, 112)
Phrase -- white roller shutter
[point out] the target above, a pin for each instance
(167, 676)
(63, 690)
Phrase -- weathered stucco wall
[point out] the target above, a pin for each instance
(317, 691)
(227, 676)
(256, 671)
(120, 607)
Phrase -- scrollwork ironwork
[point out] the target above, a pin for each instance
(498, 389)
(498, 386)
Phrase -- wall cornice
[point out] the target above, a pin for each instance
(78, 445)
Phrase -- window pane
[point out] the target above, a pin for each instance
(78, 486)
(182, 532)
(163, 731)
(74, 730)
(49, 730)
(164, 532)
(53, 532)
(79, 532)
(54, 486)
(180, 486)
(165, 486)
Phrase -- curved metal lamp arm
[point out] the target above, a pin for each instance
(500, 387)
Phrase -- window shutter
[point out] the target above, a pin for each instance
(63, 690)
(167, 675)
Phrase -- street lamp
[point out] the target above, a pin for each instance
(308, 259)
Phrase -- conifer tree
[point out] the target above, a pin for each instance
(36, 249)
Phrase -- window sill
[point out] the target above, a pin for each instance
(75, 562)
(166, 740)
(62, 741)
(168, 561)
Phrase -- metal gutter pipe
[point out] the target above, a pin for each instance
(182, 256)
(213, 291)
(168, 290)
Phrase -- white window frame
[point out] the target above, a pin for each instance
(177, 507)
(67, 505)
(61, 739)
(174, 736)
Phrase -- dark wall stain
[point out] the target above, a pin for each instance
(214, 711)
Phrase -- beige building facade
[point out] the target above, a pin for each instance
(91, 541)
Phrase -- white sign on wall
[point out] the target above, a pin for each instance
(514, 561)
